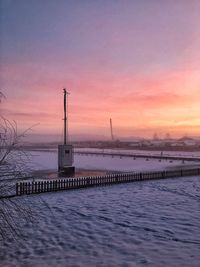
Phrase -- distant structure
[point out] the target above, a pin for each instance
(111, 130)
(65, 151)
(167, 136)
(155, 137)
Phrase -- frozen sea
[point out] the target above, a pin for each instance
(148, 223)
(48, 160)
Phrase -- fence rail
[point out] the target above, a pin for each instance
(26, 188)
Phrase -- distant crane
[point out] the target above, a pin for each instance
(111, 130)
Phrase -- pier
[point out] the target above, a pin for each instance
(134, 156)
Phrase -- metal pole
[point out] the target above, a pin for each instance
(65, 118)
(111, 130)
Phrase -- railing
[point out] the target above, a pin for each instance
(25, 188)
(134, 156)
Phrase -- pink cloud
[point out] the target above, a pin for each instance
(132, 100)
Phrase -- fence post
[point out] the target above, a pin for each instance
(58, 186)
(29, 188)
(39, 187)
(17, 189)
(26, 188)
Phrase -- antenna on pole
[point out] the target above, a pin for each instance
(111, 130)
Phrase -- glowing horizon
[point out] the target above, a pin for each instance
(117, 60)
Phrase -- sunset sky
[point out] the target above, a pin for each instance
(137, 62)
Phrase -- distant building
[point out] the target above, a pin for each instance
(187, 141)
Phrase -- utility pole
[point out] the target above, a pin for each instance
(65, 116)
(65, 151)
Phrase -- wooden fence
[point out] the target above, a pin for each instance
(25, 188)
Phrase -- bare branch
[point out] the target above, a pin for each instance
(14, 161)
